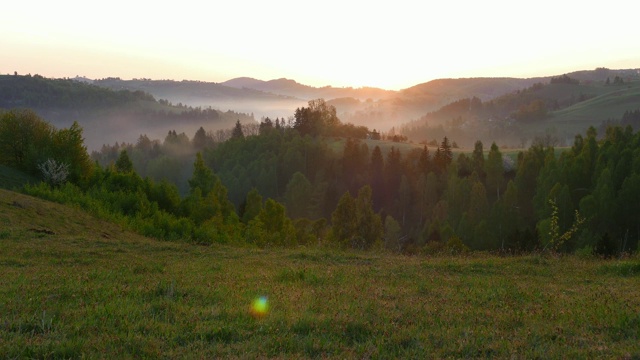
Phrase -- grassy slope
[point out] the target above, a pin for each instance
(607, 102)
(75, 286)
(610, 105)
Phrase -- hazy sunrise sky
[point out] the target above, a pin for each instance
(388, 44)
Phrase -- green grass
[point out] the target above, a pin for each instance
(73, 286)
(609, 104)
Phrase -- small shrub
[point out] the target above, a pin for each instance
(433, 247)
(455, 246)
(586, 252)
(53, 172)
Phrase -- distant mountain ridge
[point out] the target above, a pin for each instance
(107, 115)
(292, 88)
(378, 108)
(277, 86)
(278, 98)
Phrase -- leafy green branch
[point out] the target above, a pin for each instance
(557, 240)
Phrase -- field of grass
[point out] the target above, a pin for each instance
(73, 286)
(609, 105)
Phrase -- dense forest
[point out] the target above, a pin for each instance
(285, 184)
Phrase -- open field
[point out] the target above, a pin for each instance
(73, 286)
(609, 105)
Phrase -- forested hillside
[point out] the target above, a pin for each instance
(107, 115)
(283, 185)
(274, 98)
(553, 112)
(511, 111)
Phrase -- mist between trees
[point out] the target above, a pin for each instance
(314, 181)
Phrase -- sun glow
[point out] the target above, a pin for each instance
(389, 45)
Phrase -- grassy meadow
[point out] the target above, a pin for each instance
(73, 286)
(609, 102)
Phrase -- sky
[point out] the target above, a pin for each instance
(387, 44)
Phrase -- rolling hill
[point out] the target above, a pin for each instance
(610, 105)
(128, 108)
(106, 115)
(208, 94)
(292, 88)
(382, 109)
(558, 109)
(376, 108)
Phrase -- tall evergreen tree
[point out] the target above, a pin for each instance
(200, 139)
(203, 177)
(124, 164)
(494, 169)
(393, 175)
(424, 164)
(377, 177)
(478, 159)
(237, 132)
(447, 154)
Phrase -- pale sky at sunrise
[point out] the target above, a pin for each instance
(388, 44)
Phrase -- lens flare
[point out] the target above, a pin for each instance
(259, 307)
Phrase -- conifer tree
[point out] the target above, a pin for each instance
(237, 131)
(425, 162)
(124, 164)
(478, 159)
(377, 177)
(200, 139)
(203, 177)
(495, 171)
(447, 154)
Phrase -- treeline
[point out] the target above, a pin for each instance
(629, 118)
(27, 142)
(50, 96)
(38, 92)
(429, 198)
(418, 201)
(564, 79)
